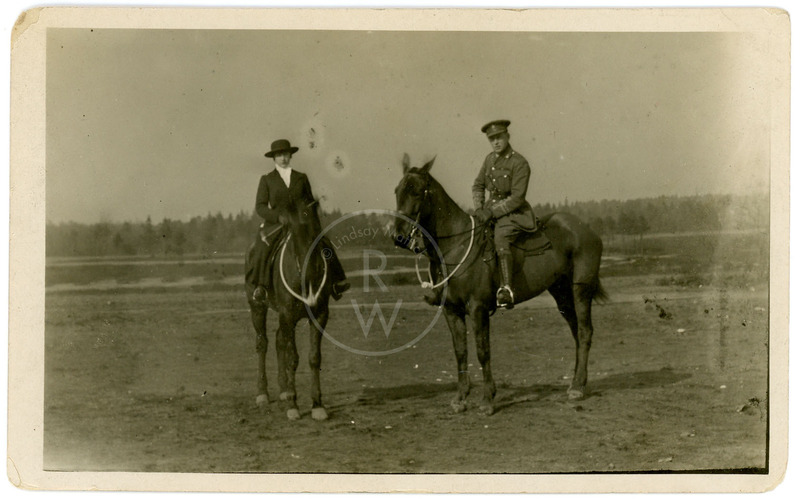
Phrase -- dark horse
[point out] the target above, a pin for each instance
(568, 270)
(300, 289)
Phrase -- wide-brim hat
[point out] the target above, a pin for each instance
(281, 146)
(495, 127)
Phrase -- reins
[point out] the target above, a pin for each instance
(429, 284)
(415, 230)
(312, 297)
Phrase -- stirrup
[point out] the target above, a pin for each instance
(260, 295)
(507, 305)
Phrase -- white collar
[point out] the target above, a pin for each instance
(285, 174)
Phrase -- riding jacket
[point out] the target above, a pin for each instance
(505, 176)
(273, 195)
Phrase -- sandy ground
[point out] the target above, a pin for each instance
(166, 381)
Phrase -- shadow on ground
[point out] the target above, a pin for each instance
(508, 396)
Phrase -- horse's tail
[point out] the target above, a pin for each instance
(600, 295)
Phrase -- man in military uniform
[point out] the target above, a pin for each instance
(505, 175)
(275, 191)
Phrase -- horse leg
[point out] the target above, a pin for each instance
(583, 309)
(480, 327)
(258, 315)
(318, 411)
(287, 366)
(562, 292)
(458, 331)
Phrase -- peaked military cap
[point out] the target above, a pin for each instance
(495, 127)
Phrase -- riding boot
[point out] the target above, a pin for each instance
(255, 274)
(338, 289)
(505, 297)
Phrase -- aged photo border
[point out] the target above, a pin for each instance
(27, 221)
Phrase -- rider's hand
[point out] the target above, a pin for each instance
(283, 218)
(483, 215)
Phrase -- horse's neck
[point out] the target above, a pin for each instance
(301, 247)
(448, 222)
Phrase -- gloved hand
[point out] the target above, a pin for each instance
(283, 218)
(483, 215)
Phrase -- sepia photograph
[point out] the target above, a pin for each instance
(399, 250)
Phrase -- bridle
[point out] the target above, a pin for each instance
(415, 231)
(429, 284)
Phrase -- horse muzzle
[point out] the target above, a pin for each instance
(408, 241)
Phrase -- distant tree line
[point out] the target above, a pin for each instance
(669, 214)
(216, 233)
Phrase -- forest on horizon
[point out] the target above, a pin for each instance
(221, 234)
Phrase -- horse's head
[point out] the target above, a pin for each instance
(303, 222)
(414, 205)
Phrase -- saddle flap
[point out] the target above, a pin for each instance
(533, 243)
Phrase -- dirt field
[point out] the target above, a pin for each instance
(165, 380)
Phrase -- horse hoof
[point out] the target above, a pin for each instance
(575, 394)
(293, 414)
(487, 409)
(458, 406)
(286, 396)
(262, 400)
(319, 414)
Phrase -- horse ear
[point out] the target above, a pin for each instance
(428, 165)
(406, 163)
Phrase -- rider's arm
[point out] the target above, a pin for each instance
(479, 188)
(308, 196)
(262, 203)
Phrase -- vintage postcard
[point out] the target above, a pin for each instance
(379, 250)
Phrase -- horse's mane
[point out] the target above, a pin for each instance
(435, 187)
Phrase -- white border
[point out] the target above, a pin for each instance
(213, 483)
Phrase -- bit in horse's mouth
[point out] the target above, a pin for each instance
(407, 243)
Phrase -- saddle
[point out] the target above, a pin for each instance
(527, 243)
(273, 241)
(534, 242)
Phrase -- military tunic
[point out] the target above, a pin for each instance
(505, 176)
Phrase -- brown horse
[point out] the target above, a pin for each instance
(568, 270)
(300, 289)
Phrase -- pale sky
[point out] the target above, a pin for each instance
(175, 123)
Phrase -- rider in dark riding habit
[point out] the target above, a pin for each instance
(275, 192)
(505, 175)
